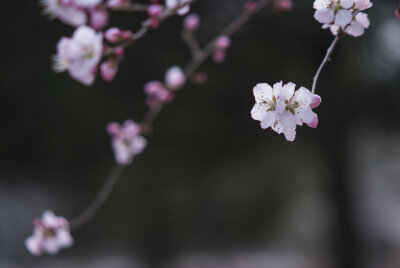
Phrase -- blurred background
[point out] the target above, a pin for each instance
(212, 189)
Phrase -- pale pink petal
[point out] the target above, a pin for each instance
(262, 93)
(343, 17)
(324, 15)
(287, 119)
(258, 112)
(303, 96)
(347, 3)
(268, 120)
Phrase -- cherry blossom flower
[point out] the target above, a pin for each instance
(397, 12)
(157, 93)
(171, 4)
(126, 141)
(343, 14)
(80, 54)
(281, 108)
(50, 234)
(175, 78)
(65, 11)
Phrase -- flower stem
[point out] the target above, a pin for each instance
(324, 62)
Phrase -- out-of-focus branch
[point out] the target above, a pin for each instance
(147, 26)
(130, 8)
(154, 112)
(101, 197)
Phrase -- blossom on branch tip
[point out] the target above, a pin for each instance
(172, 4)
(50, 234)
(126, 141)
(80, 54)
(191, 22)
(222, 43)
(281, 108)
(340, 15)
(175, 78)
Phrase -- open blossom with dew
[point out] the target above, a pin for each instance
(66, 11)
(126, 141)
(50, 234)
(340, 14)
(174, 77)
(282, 108)
(80, 54)
(171, 4)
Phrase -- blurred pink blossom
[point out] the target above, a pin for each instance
(157, 93)
(174, 77)
(109, 69)
(191, 22)
(126, 141)
(80, 54)
(50, 234)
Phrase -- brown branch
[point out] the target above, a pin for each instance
(154, 112)
(101, 197)
(146, 27)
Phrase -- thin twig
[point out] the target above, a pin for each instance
(324, 62)
(101, 197)
(192, 43)
(154, 112)
(146, 27)
(131, 8)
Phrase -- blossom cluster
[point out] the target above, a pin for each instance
(50, 234)
(343, 16)
(82, 53)
(282, 108)
(126, 141)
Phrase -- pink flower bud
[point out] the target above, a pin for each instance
(119, 52)
(191, 22)
(398, 12)
(109, 69)
(157, 93)
(219, 56)
(155, 10)
(117, 3)
(199, 78)
(113, 128)
(283, 5)
(175, 78)
(223, 42)
(316, 101)
(154, 23)
(314, 123)
(98, 18)
(113, 35)
(250, 5)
